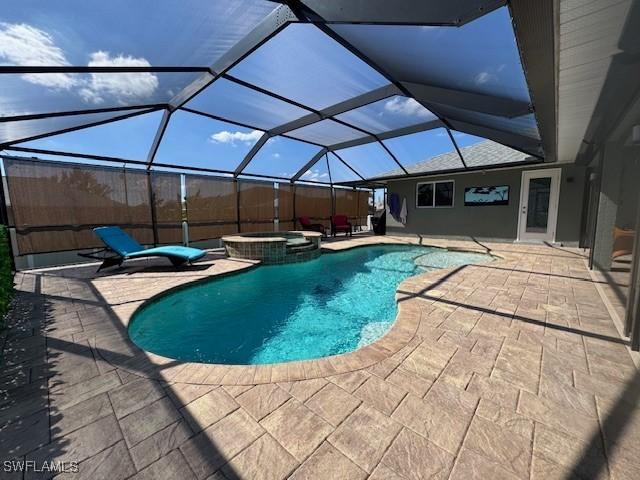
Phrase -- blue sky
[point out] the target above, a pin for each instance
(301, 63)
(481, 56)
(197, 141)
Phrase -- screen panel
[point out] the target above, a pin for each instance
(326, 132)
(369, 160)
(41, 93)
(388, 114)
(155, 32)
(232, 101)
(25, 129)
(427, 151)
(339, 171)
(319, 172)
(479, 152)
(192, 140)
(481, 56)
(304, 64)
(281, 157)
(524, 125)
(129, 139)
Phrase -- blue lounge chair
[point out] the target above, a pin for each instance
(126, 247)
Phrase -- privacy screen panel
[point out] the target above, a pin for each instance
(211, 207)
(363, 206)
(256, 206)
(346, 202)
(285, 206)
(314, 202)
(55, 206)
(168, 207)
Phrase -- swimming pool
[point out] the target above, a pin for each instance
(279, 313)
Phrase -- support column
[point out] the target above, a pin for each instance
(237, 190)
(276, 206)
(293, 205)
(608, 201)
(632, 312)
(152, 204)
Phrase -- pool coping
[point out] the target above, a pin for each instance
(403, 330)
(247, 238)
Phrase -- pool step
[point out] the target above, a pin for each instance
(298, 242)
(300, 247)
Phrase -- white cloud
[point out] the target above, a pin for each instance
(405, 106)
(485, 77)
(276, 155)
(22, 44)
(315, 175)
(123, 87)
(233, 137)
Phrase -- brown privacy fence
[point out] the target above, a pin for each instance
(285, 207)
(212, 208)
(314, 202)
(54, 206)
(256, 206)
(166, 191)
(354, 204)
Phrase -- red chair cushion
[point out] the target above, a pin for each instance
(340, 220)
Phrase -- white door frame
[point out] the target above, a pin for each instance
(552, 220)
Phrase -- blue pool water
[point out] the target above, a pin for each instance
(334, 304)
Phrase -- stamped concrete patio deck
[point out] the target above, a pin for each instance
(512, 369)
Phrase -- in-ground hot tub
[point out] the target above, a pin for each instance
(274, 247)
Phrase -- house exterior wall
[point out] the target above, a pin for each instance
(499, 222)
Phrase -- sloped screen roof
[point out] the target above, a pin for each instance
(267, 89)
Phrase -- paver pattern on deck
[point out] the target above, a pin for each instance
(512, 369)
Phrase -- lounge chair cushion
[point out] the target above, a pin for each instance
(125, 246)
(117, 240)
(176, 251)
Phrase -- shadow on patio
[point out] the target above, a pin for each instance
(63, 402)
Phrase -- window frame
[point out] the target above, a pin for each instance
(433, 183)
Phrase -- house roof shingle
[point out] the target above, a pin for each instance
(486, 153)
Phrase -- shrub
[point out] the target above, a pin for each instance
(6, 276)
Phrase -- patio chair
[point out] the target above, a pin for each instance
(314, 227)
(125, 247)
(340, 223)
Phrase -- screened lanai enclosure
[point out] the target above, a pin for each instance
(244, 115)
